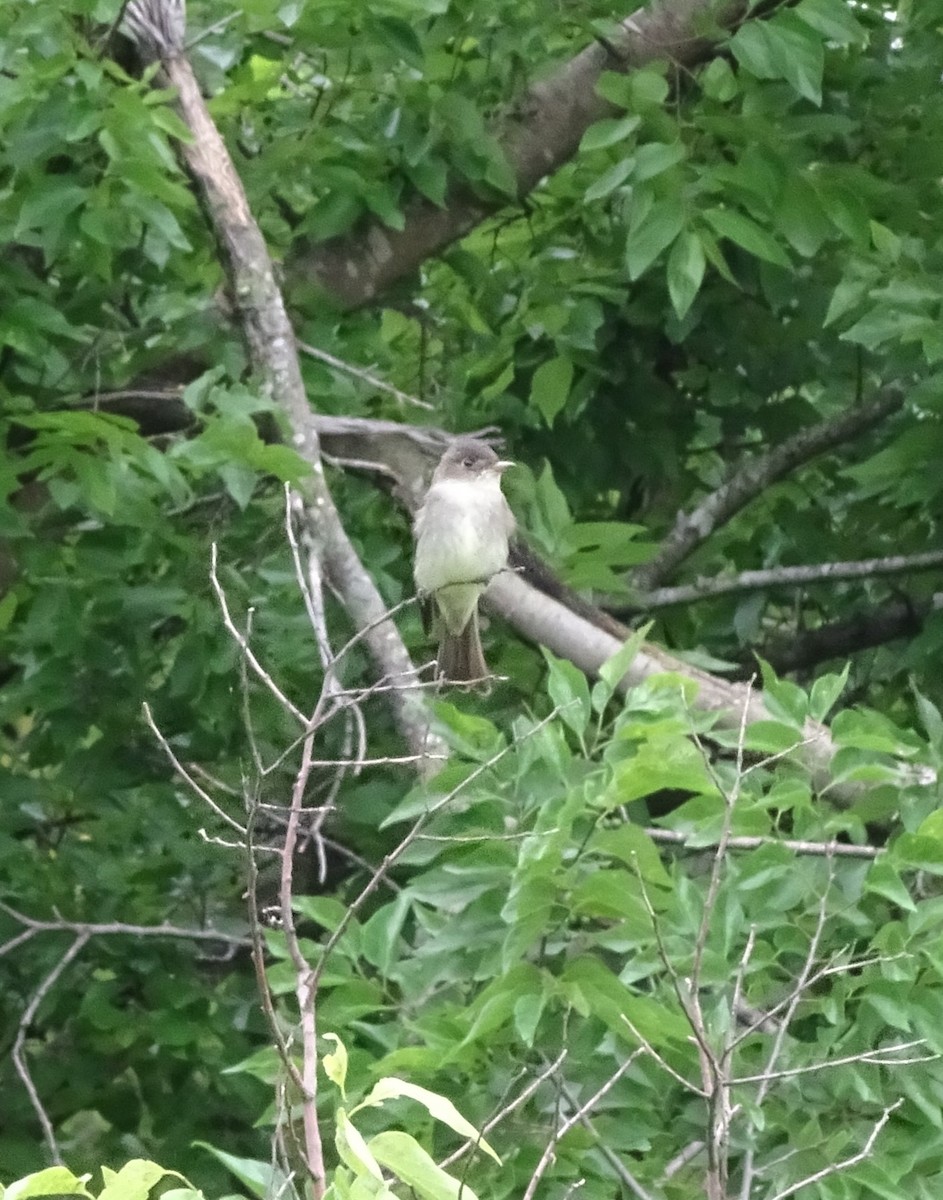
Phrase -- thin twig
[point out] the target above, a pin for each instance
(754, 842)
(187, 777)
(613, 1159)
(244, 646)
(19, 1058)
(662, 1062)
(118, 928)
(834, 1168)
(876, 1058)
(562, 1130)
(779, 1037)
(373, 381)
(507, 1109)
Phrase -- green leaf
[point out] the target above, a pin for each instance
(848, 294)
(335, 1062)
(439, 1107)
(754, 50)
(352, 1147)
(323, 910)
(632, 845)
(610, 180)
(654, 158)
(825, 691)
(239, 481)
(930, 716)
(783, 699)
(551, 385)
(261, 1178)
(801, 217)
(380, 934)
(719, 82)
(608, 132)
(686, 265)
(884, 323)
(746, 233)
(135, 1180)
(648, 88)
(656, 231)
(569, 691)
(834, 19)
(660, 764)
(782, 48)
(403, 1155)
(614, 669)
(53, 1181)
(884, 880)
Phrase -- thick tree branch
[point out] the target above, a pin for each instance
(754, 476)
(540, 133)
(782, 577)
(801, 650)
(158, 28)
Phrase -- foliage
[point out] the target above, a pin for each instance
(735, 252)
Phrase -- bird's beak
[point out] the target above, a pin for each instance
(502, 465)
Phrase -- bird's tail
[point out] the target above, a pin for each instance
(460, 658)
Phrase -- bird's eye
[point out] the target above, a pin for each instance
(468, 462)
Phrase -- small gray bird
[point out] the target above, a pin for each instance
(462, 532)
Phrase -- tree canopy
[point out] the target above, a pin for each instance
(686, 265)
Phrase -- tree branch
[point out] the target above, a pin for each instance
(801, 650)
(158, 28)
(753, 476)
(538, 134)
(704, 588)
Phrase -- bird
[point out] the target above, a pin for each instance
(462, 530)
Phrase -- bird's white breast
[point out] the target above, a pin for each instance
(461, 533)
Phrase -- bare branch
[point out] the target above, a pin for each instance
(19, 1045)
(547, 1157)
(704, 588)
(157, 26)
(373, 381)
(507, 1109)
(739, 842)
(754, 476)
(880, 1057)
(187, 777)
(834, 1168)
(118, 929)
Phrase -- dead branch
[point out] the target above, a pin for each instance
(754, 476)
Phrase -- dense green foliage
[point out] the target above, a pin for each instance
(737, 252)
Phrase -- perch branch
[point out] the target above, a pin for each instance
(158, 26)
